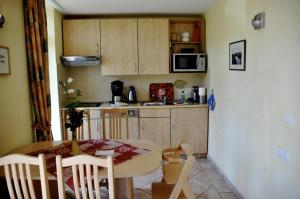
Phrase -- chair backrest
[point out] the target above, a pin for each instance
(14, 164)
(182, 182)
(84, 163)
(115, 124)
(81, 131)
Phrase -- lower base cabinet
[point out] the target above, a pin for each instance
(157, 130)
(189, 125)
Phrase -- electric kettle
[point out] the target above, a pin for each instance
(132, 95)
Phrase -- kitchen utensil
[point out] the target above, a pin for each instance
(187, 50)
(185, 36)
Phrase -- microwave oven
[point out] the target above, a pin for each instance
(188, 62)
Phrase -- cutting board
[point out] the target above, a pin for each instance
(153, 91)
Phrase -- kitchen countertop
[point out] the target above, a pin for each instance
(107, 105)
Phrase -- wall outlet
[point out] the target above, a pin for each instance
(283, 155)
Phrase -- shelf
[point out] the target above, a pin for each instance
(182, 42)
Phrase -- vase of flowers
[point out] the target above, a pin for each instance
(73, 117)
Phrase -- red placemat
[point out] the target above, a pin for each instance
(122, 153)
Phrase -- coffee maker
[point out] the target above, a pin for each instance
(117, 91)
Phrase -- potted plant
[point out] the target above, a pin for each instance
(73, 117)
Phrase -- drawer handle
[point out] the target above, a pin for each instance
(173, 124)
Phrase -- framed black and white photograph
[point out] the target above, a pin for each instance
(237, 55)
(4, 61)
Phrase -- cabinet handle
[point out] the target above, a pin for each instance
(142, 126)
(136, 67)
(173, 124)
(97, 49)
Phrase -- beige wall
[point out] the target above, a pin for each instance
(96, 87)
(15, 111)
(258, 110)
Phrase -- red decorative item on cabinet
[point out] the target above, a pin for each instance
(154, 91)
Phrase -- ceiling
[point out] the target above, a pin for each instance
(110, 7)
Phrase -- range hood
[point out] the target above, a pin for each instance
(80, 60)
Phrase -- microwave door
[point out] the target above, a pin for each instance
(185, 63)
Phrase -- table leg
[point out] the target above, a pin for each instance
(124, 188)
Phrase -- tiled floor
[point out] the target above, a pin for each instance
(204, 180)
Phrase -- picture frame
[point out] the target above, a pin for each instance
(4, 61)
(237, 55)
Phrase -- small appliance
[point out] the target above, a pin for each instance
(117, 91)
(195, 95)
(132, 95)
(202, 95)
(188, 62)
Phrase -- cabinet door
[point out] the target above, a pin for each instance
(190, 125)
(81, 37)
(157, 130)
(153, 45)
(119, 47)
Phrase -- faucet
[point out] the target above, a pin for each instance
(164, 100)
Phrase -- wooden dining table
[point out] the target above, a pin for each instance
(124, 172)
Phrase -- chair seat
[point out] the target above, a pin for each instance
(162, 190)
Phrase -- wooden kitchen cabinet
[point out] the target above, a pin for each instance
(157, 130)
(190, 125)
(153, 46)
(81, 37)
(155, 125)
(119, 55)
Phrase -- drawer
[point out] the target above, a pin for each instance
(155, 112)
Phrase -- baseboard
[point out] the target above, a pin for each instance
(231, 186)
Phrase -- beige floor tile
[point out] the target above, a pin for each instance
(204, 163)
(197, 165)
(221, 186)
(211, 193)
(212, 174)
(228, 195)
(194, 172)
(199, 183)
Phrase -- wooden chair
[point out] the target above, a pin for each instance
(115, 125)
(176, 172)
(84, 163)
(14, 164)
(80, 132)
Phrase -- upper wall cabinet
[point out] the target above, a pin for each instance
(81, 37)
(153, 46)
(195, 28)
(119, 54)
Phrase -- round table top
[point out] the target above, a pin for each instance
(140, 165)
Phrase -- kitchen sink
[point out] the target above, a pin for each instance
(153, 104)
